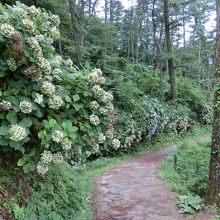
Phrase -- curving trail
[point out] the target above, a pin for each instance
(132, 191)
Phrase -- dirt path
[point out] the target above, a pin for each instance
(132, 191)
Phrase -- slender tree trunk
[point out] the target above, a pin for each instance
(76, 34)
(213, 192)
(169, 51)
(106, 11)
(184, 29)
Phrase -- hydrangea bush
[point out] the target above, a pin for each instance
(49, 111)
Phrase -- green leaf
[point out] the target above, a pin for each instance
(42, 134)
(32, 153)
(78, 106)
(11, 117)
(76, 98)
(73, 136)
(21, 162)
(28, 167)
(52, 122)
(16, 145)
(4, 142)
(26, 122)
(3, 130)
(2, 74)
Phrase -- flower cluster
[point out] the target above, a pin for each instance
(11, 64)
(29, 25)
(34, 45)
(95, 77)
(5, 105)
(57, 158)
(20, 11)
(39, 98)
(94, 105)
(33, 10)
(116, 143)
(101, 138)
(25, 107)
(66, 144)
(69, 65)
(55, 102)
(7, 30)
(17, 133)
(57, 136)
(47, 88)
(33, 73)
(46, 157)
(94, 119)
(44, 65)
(42, 168)
(54, 33)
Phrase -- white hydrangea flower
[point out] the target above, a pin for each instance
(57, 158)
(116, 143)
(66, 144)
(17, 133)
(110, 133)
(20, 11)
(69, 65)
(55, 33)
(97, 90)
(34, 45)
(104, 111)
(106, 97)
(28, 24)
(46, 157)
(25, 107)
(57, 61)
(47, 88)
(39, 98)
(7, 30)
(40, 38)
(55, 102)
(44, 65)
(95, 148)
(101, 138)
(5, 105)
(55, 19)
(95, 77)
(58, 72)
(42, 168)
(12, 65)
(94, 119)
(33, 10)
(94, 105)
(57, 136)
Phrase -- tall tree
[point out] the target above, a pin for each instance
(169, 51)
(213, 193)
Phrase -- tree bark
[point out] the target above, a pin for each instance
(171, 71)
(213, 192)
(76, 34)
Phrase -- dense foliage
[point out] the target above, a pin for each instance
(52, 110)
(189, 179)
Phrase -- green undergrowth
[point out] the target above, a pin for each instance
(65, 193)
(186, 170)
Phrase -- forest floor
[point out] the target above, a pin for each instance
(132, 191)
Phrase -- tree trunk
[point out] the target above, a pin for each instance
(213, 192)
(76, 34)
(169, 51)
(106, 11)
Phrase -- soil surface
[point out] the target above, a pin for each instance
(132, 191)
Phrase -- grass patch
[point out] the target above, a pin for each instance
(186, 170)
(66, 191)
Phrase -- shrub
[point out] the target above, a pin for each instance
(48, 108)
